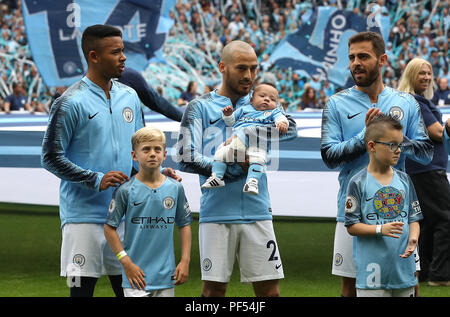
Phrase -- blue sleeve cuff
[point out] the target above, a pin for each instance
(98, 180)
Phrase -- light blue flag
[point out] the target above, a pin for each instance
(54, 30)
(320, 46)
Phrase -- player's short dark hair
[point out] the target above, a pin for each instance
(369, 36)
(377, 127)
(94, 33)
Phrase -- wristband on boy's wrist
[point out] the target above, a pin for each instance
(121, 255)
(378, 230)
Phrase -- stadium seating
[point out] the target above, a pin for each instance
(201, 28)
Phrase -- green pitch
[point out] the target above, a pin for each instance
(31, 240)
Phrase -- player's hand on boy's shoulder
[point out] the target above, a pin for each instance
(170, 172)
(227, 111)
(113, 179)
(372, 113)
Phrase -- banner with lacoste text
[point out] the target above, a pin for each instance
(320, 46)
(54, 30)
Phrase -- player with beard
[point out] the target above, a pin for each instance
(87, 145)
(344, 119)
(232, 224)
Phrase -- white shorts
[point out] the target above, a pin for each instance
(134, 292)
(252, 244)
(85, 252)
(403, 292)
(343, 264)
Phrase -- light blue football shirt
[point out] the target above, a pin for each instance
(88, 136)
(377, 260)
(150, 215)
(343, 128)
(252, 126)
(202, 132)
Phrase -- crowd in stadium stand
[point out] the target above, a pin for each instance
(418, 28)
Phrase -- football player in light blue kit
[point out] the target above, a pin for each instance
(343, 126)
(152, 204)
(232, 223)
(87, 145)
(382, 211)
(263, 112)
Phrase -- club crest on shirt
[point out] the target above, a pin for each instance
(388, 202)
(127, 114)
(168, 202)
(267, 113)
(397, 113)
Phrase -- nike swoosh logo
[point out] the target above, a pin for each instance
(369, 199)
(90, 117)
(137, 204)
(351, 117)
(212, 122)
(277, 266)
